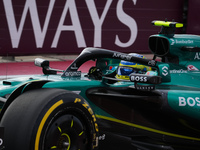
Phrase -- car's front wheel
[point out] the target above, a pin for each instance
(50, 119)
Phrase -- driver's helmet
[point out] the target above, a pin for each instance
(126, 68)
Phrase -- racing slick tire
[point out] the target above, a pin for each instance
(50, 119)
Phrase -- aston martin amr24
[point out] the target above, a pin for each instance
(157, 108)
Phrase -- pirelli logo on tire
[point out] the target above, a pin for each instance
(86, 105)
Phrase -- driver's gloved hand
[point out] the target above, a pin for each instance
(95, 73)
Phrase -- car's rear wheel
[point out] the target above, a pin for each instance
(50, 119)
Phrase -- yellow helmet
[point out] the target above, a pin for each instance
(126, 68)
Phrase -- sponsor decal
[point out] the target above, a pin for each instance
(147, 88)
(138, 78)
(74, 67)
(189, 101)
(176, 41)
(192, 68)
(184, 41)
(197, 56)
(165, 71)
(122, 56)
(102, 137)
(172, 43)
(152, 63)
(143, 87)
(185, 102)
(86, 105)
(145, 78)
(148, 73)
(73, 73)
(178, 71)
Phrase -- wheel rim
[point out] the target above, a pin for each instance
(68, 132)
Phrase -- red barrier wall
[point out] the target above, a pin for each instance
(67, 26)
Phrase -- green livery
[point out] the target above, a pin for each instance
(68, 109)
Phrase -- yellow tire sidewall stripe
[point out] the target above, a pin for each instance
(148, 129)
(43, 122)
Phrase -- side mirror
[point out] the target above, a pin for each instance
(42, 63)
(45, 66)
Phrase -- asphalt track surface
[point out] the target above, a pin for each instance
(26, 68)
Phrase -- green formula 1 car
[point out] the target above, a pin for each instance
(71, 110)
